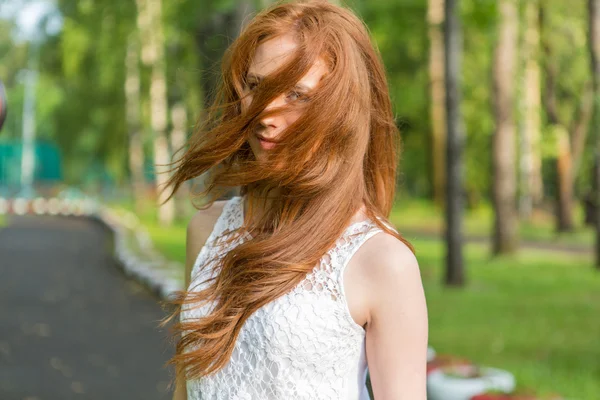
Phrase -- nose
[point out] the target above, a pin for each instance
(272, 122)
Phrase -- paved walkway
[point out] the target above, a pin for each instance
(71, 325)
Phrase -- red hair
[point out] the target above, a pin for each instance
(341, 152)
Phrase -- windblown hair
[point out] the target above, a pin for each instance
(341, 152)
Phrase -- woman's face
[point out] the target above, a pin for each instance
(269, 56)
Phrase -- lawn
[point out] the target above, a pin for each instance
(536, 314)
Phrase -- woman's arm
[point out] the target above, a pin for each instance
(397, 329)
(198, 231)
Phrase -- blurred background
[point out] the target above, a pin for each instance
(496, 103)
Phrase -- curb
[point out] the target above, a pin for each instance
(137, 256)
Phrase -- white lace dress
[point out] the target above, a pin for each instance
(303, 345)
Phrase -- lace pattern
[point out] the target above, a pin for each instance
(303, 345)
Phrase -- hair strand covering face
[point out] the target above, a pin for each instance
(342, 152)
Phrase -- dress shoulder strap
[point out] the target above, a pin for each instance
(352, 240)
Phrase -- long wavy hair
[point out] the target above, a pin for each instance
(340, 153)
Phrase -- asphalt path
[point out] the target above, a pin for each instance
(72, 326)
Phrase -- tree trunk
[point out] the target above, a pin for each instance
(531, 157)
(505, 238)
(151, 32)
(132, 104)
(454, 198)
(580, 128)
(435, 19)
(594, 47)
(564, 169)
(178, 140)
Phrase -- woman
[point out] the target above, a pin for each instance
(299, 283)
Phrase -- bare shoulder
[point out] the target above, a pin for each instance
(198, 230)
(387, 257)
(384, 254)
(382, 267)
(388, 270)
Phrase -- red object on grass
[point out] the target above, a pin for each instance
(445, 360)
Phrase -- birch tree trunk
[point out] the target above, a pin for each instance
(504, 183)
(594, 48)
(454, 207)
(435, 19)
(132, 104)
(531, 157)
(151, 31)
(178, 140)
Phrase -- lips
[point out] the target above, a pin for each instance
(265, 143)
(264, 139)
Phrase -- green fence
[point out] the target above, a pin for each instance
(48, 164)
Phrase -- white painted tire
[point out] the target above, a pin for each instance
(441, 386)
(39, 206)
(53, 206)
(430, 354)
(20, 206)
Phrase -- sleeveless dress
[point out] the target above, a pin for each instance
(304, 344)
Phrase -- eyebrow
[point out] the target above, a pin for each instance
(259, 78)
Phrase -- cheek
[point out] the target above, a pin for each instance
(292, 117)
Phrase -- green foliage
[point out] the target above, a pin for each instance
(479, 36)
(83, 74)
(400, 32)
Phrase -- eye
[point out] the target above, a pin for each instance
(296, 96)
(251, 85)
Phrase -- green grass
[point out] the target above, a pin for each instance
(536, 314)
(170, 241)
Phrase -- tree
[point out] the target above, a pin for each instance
(178, 139)
(503, 146)
(454, 208)
(531, 189)
(594, 49)
(132, 104)
(568, 127)
(153, 54)
(435, 19)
